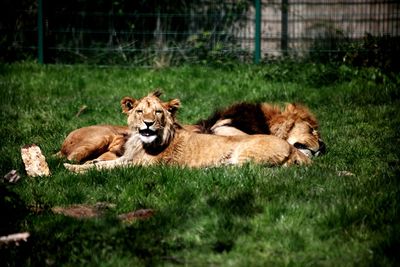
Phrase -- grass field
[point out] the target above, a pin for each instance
(341, 211)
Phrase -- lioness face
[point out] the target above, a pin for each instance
(306, 139)
(150, 118)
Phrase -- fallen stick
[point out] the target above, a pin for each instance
(14, 238)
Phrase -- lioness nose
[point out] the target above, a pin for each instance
(148, 123)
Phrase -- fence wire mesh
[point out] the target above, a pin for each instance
(172, 32)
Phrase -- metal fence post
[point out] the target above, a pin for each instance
(257, 37)
(284, 32)
(40, 32)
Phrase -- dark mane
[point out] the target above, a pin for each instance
(247, 117)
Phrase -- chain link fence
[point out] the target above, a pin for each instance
(161, 33)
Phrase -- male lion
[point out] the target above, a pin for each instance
(295, 123)
(157, 138)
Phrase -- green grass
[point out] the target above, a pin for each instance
(230, 216)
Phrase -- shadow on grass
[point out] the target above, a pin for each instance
(233, 210)
(56, 239)
(13, 211)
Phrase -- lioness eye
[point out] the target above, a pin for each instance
(158, 111)
(139, 111)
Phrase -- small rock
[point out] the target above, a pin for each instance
(35, 162)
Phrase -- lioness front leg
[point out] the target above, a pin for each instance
(297, 157)
(99, 165)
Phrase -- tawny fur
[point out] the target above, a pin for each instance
(156, 138)
(104, 142)
(295, 123)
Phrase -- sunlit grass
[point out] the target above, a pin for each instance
(341, 211)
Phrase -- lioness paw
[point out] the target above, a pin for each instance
(75, 168)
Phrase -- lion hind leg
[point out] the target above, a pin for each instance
(89, 150)
(227, 131)
(107, 156)
(80, 154)
(221, 123)
(100, 149)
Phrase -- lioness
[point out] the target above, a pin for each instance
(104, 142)
(157, 138)
(295, 123)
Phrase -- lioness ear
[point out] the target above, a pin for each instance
(127, 104)
(173, 105)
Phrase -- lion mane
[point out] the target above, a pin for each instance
(157, 138)
(294, 123)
